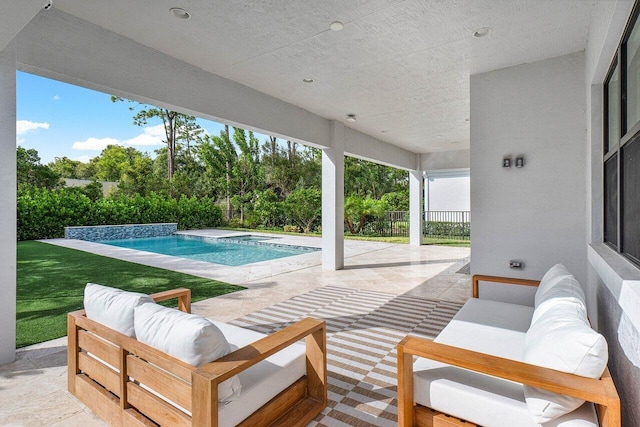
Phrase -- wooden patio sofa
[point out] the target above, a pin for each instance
(129, 383)
(458, 358)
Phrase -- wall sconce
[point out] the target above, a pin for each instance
(519, 162)
(506, 162)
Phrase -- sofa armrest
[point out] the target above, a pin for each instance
(206, 378)
(602, 391)
(183, 295)
(496, 279)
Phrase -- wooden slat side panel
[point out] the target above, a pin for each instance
(155, 408)
(277, 406)
(100, 373)
(171, 387)
(102, 349)
(300, 414)
(107, 406)
(170, 364)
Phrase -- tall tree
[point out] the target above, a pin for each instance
(219, 157)
(31, 172)
(247, 172)
(177, 126)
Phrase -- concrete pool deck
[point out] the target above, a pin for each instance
(33, 389)
(385, 267)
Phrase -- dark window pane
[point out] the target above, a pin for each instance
(632, 48)
(613, 109)
(611, 201)
(630, 193)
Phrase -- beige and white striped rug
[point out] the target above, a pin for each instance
(363, 329)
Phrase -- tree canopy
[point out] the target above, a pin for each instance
(273, 183)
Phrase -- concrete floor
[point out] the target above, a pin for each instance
(33, 388)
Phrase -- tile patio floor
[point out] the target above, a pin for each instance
(33, 388)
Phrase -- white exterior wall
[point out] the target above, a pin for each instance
(448, 191)
(535, 214)
(8, 206)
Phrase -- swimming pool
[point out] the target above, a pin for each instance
(230, 251)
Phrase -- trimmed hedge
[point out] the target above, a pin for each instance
(43, 214)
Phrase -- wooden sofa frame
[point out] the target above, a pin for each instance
(602, 392)
(108, 380)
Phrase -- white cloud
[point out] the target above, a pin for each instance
(56, 97)
(152, 135)
(24, 126)
(97, 144)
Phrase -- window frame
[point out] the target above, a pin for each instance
(615, 148)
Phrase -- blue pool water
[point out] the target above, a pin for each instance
(232, 251)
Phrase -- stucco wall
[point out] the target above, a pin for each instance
(536, 213)
(613, 322)
(448, 191)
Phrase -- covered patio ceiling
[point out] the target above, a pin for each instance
(401, 66)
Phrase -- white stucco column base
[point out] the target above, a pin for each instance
(416, 207)
(8, 230)
(333, 200)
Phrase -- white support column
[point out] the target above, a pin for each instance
(333, 200)
(8, 229)
(416, 207)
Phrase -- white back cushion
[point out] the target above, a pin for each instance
(549, 280)
(188, 337)
(565, 288)
(561, 339)
(113, 307)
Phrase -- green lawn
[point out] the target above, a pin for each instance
(51, 282)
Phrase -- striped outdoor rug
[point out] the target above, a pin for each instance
(363, 329)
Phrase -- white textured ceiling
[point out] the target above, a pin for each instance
(402, 67)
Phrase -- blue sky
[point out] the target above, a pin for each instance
(58, 119)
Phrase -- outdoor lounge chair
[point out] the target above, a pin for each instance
(127, 382)
(503, 364)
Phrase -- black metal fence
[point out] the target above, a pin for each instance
(437, 224)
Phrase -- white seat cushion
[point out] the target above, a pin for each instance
(113, 307)
(487, 326)
(188, 337)
(261, 382)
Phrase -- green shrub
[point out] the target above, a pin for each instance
(292, 229)
(43, 214)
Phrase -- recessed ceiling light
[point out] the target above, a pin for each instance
(307, 80)
(336, 25)
(481, 32)
(179, 13)
(351, 118)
